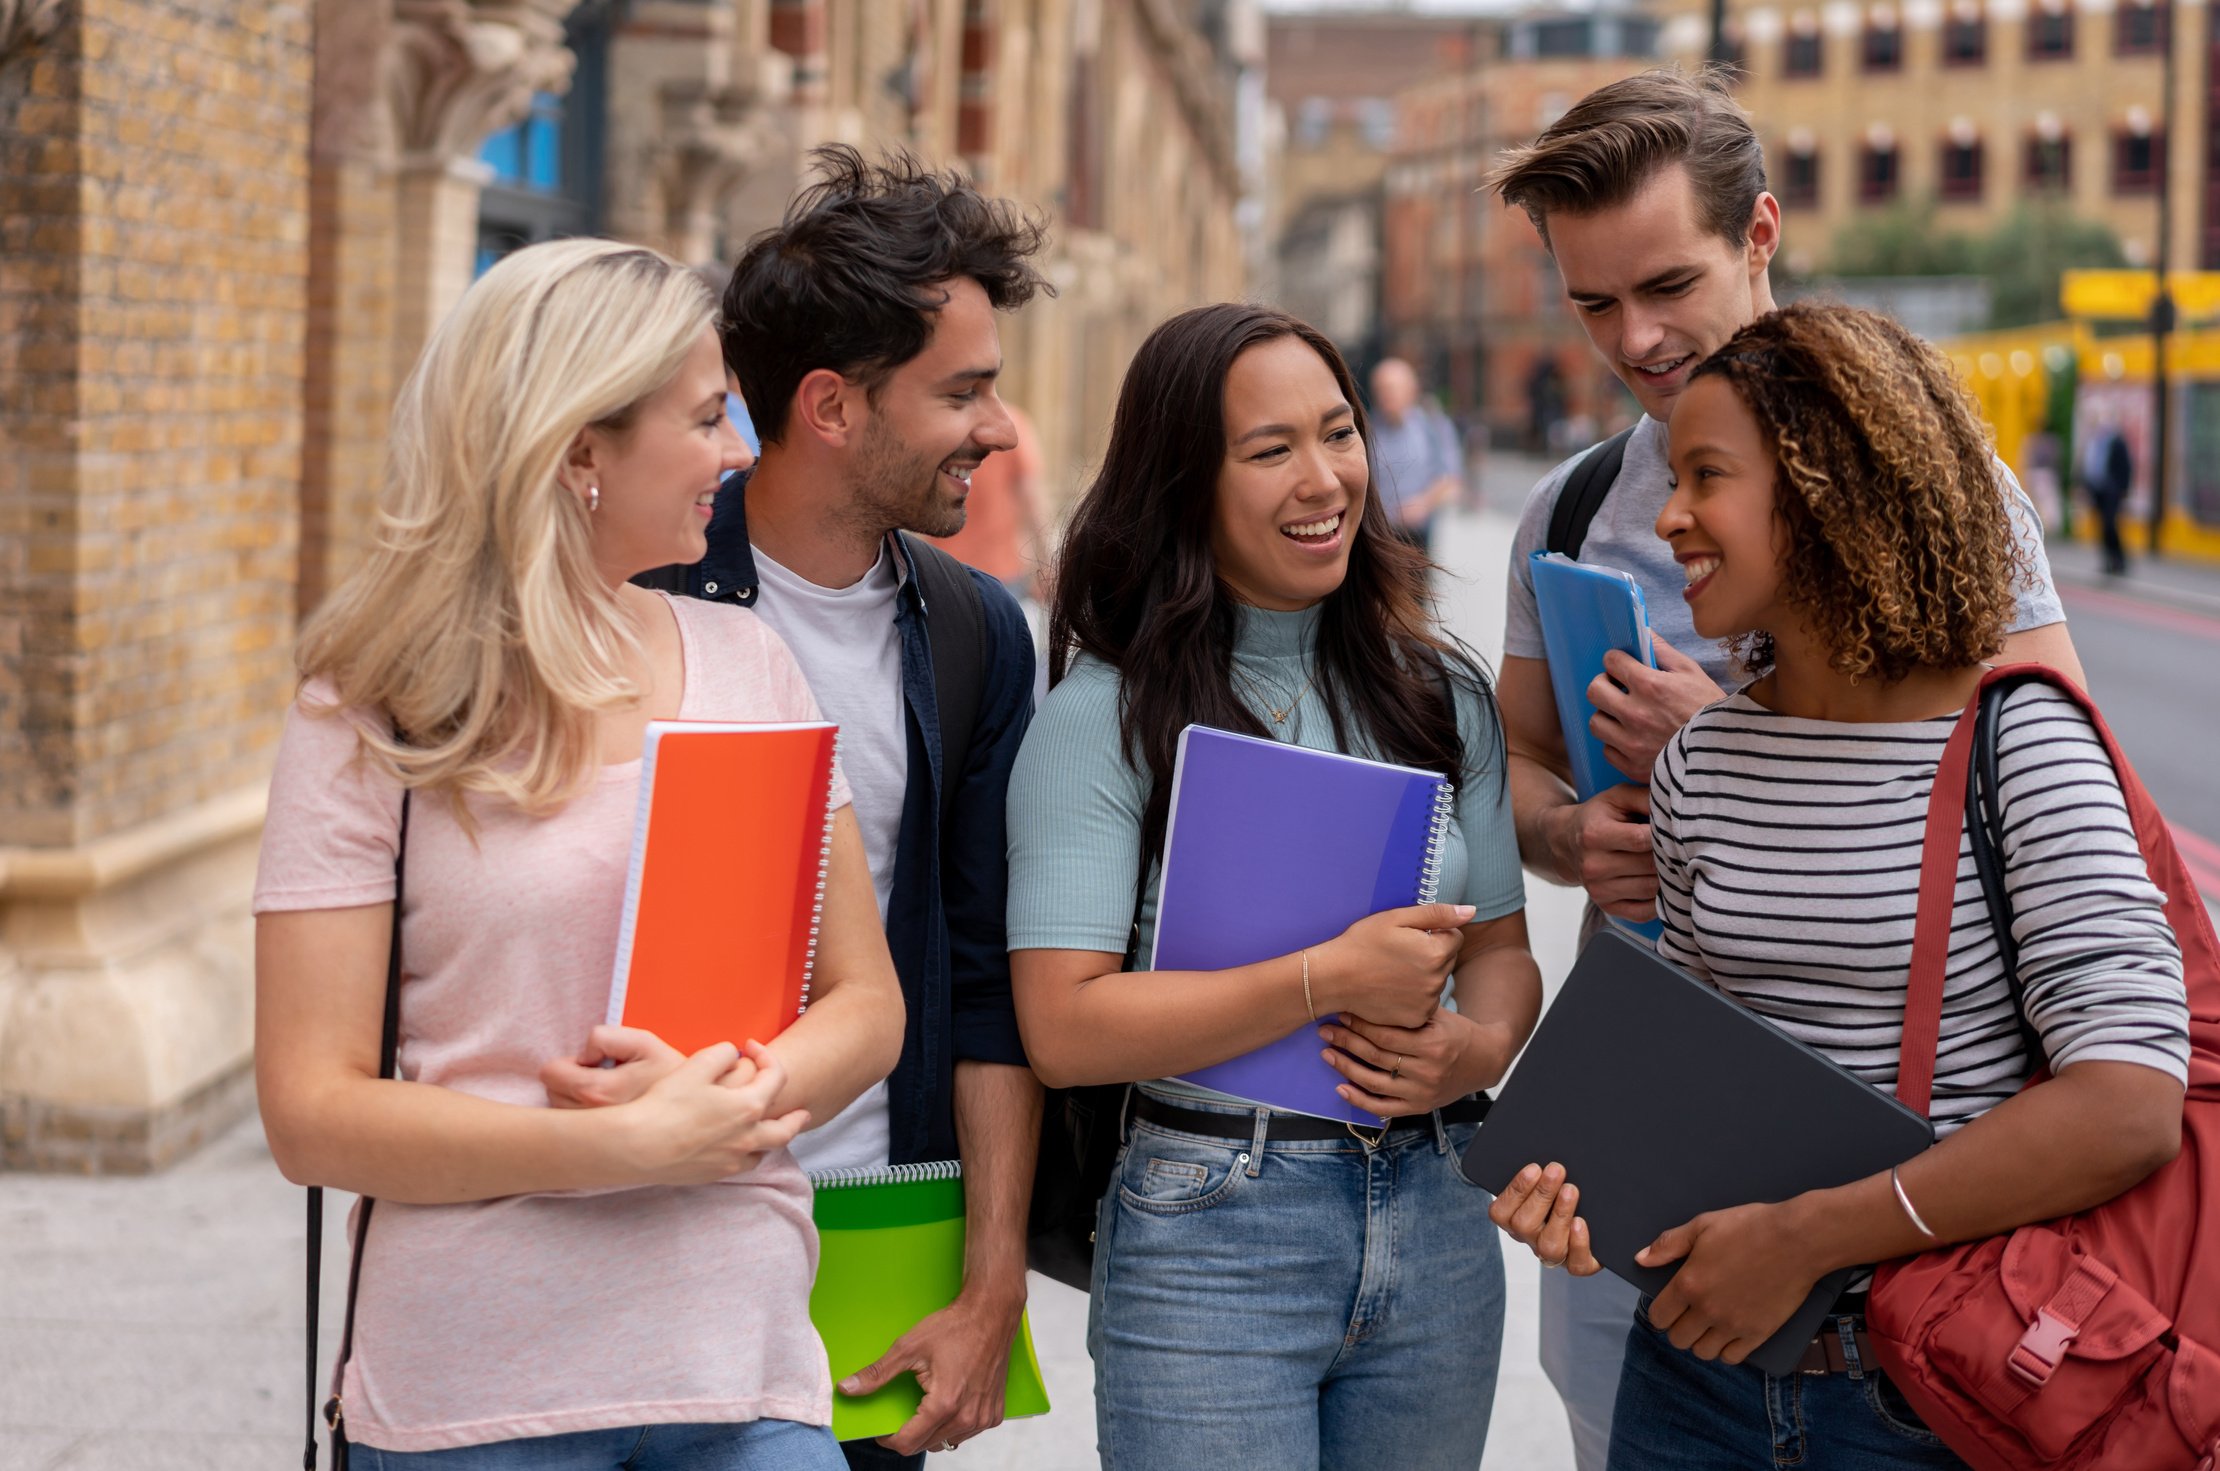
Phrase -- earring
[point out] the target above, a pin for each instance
(593, 499)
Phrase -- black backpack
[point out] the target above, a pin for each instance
(1581, 496)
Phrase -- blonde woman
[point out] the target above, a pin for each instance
(624, 1285)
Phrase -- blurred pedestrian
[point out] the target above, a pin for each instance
(1650, 195)
(624, 1284)
(1271, 1290)
(1416, 453)
(1868, 577)
(2107, 473)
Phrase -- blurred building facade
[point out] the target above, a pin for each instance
(1332, 77)
(1977, 106)
(1468, 292)
(226, 228)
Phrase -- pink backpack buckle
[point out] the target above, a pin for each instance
(2036, 1356)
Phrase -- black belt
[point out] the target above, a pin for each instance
(1824, 1355)
(1241, 1128)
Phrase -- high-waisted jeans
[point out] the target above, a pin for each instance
(1299, 1304)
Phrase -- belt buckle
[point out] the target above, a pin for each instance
(1376, 1140)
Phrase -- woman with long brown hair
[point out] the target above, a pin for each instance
(1271, 1290)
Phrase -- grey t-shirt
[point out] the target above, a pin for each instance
(1624, 535)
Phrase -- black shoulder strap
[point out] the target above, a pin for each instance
(956, 630)
(1985, 835)
(389, 1049)
(1582, 494)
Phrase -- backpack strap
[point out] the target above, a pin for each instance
(956, 632)
(389, 1047)
(1581, 496)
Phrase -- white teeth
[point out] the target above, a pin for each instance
(1700, 568)
(1326, 527)
(1661, 369)
(963, 474)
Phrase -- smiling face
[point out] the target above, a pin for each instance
(1657, 291)
(1292, 486)
(659, 474)
(1721, 519)
(931, 423)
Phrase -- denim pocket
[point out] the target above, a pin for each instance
(1169, 1175)
(1894, 1411)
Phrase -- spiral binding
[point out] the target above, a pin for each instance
(1437, 839)
(936, 1169)
(817, 904)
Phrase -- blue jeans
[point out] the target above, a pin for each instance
(753, 1445)
(1294, 1305)
(1677, 1412)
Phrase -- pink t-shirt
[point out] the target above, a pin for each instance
(547, 1314)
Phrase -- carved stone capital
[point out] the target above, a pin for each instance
(458, 71)
(23, 22)
(712, 139)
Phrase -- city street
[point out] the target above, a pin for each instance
(154, 1324)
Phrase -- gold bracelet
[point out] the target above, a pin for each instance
(1308, 1005)
(1906, 1201)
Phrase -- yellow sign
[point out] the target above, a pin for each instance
(2126, 296)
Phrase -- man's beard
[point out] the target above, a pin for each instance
(897, 488)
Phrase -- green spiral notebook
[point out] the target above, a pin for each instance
(890, 1252)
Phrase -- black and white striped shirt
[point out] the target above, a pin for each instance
(1788, 863)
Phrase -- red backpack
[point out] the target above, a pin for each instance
(2091, 1341)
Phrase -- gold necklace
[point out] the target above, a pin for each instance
(1279, 715)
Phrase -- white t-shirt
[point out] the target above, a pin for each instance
(849, 649)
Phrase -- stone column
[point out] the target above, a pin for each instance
(153, 259)
(456, 72)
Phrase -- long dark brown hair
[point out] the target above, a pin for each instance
(1137, 587)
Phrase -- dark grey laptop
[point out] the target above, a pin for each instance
(1664, 1099)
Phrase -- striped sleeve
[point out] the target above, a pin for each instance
(2100, 963)
(1674, 892)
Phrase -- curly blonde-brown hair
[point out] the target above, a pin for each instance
(1900, 552)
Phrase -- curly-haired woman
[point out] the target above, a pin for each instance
(552, 1287)
(1271, 1290)
(1835, 511)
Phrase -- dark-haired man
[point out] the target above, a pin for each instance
(1650, 195)
(862, 332)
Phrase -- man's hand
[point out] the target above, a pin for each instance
(1604, 843)
(961, 1357)
(1746, 1270)
(1638, 709)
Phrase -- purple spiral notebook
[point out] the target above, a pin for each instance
(1274, 848)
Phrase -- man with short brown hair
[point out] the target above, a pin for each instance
(1650, 195)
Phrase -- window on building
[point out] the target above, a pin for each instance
(2050, 164)
(1313, 119)
(1960, 171)
(547, 168)
(1804, 55)
(1877, 173)
(1965, 40)
(2050, 35)
(2139, 29)
(1376, 115)
(1884, 48)
(1800, 181)
(1570, 37)
(2137, 159)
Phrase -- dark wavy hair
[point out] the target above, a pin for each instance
(850, 278)
(1136, 584)
(1900, 551)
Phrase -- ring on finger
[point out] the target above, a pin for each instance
(1397, 1070)
(946, 1445)
(1559, 1262)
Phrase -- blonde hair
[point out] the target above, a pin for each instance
(478, 622)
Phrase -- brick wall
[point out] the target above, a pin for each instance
(153, 188)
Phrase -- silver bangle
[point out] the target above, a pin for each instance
(1906, 1201)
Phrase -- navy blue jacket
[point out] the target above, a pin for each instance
(945, 920)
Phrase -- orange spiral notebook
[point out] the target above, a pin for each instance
(727, 884)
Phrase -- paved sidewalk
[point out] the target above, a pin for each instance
(155, 1324)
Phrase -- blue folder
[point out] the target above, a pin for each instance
(1585, 612)
(1274, 848)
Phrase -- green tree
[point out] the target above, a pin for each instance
(2023, 257)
